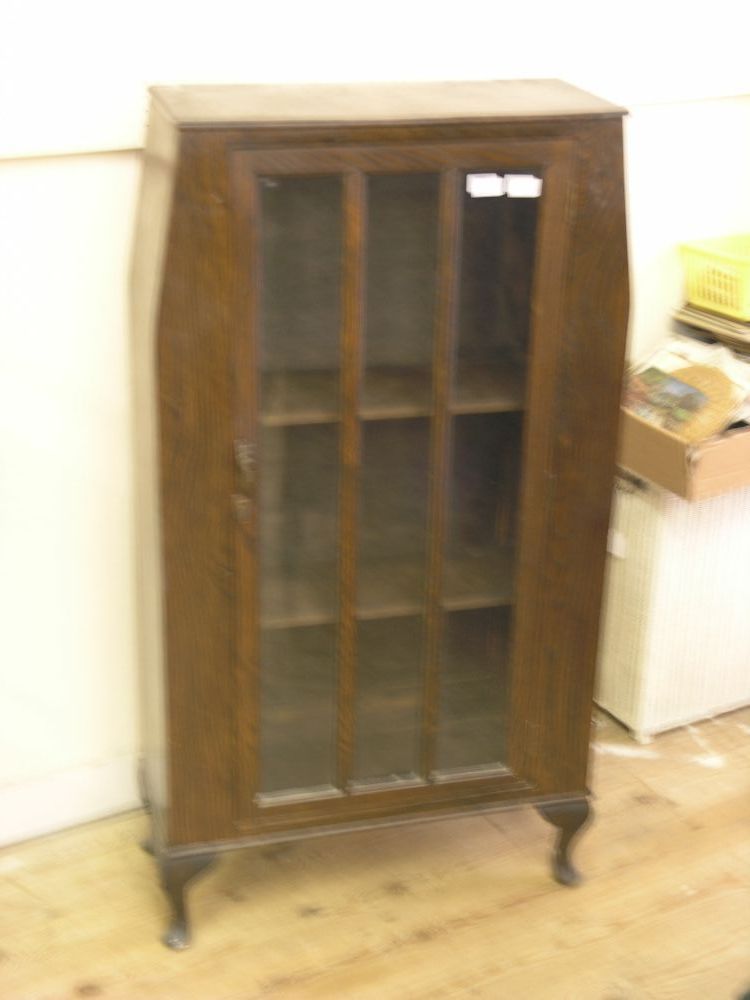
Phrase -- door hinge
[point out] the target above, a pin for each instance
(245, 456)
(243, 507)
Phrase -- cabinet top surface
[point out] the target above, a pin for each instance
(268, 104)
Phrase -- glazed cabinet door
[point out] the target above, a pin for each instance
(397, 313)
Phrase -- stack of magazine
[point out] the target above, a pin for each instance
(691, 389)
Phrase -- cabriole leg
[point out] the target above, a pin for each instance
(569, 817)
(176, 873)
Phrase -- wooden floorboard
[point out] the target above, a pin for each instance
(456, 908)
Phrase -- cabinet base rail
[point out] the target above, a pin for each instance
(179, 866)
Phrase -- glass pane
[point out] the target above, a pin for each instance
(482, 510)
(300, 314)
(298, 720)
(388, 699)
(300, 318)
(472, 690)
(478, 588)
(497, 261)
(298, 589)
(298, 524)
(393, 517)
(402, 214)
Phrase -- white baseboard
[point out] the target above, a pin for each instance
(79, 795)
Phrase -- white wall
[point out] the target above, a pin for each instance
(74, 74)
(72, 81)
(688, 177)
(68, 728)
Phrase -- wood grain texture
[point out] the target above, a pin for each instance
(400, 156)
(374, 102)
(353, 292)
(197, 481)
(446, 314)
(566, 539)
(525, 153)
(207, 397)
(245, 228)
(458, 908)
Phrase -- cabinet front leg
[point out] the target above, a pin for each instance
(176, 873)
(569, 817)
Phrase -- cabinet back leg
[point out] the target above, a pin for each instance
(176, 873)
(569, 817)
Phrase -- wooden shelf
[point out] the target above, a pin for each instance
(387, 393)
(490, 388)
(299, 595)
(391, 588)
(299, 397)
(394, 393)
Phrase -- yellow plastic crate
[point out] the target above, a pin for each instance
(718, 275)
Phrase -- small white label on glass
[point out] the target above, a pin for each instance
(484, 185)
(523, 186)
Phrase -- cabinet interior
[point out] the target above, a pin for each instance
(301, 418)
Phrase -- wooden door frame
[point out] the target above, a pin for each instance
(554, 158)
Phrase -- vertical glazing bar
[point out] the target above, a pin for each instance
(350, 448)
(245, 412)
(445, 338)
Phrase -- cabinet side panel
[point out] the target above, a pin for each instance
(561, 600)
(196, 487)
(152, 224)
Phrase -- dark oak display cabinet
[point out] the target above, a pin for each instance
(378, 340)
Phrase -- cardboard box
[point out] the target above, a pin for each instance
(691, 471)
